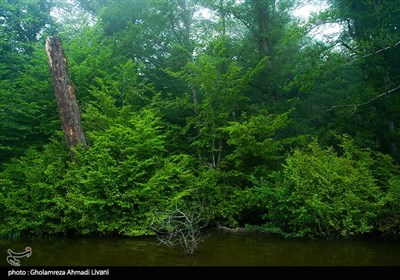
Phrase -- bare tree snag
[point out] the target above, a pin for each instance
(68, 108)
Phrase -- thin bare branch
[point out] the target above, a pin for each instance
(375, 52)
(355, 106)
(180, 228)
(358, 58)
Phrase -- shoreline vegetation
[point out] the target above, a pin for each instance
(199, 113)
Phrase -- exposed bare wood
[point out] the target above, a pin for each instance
(180, 228)
(68, 108)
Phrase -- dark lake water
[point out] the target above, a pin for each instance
(219, 249)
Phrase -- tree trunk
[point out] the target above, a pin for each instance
(262, 18)
(262, 27)
(195, 101)
(392, 141)
(68, 108)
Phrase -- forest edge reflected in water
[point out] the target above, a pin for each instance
(219, 249)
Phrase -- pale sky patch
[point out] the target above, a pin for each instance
(325, 32)
(305, 11)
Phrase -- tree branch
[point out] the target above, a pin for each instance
(247, 24)
(180, 228)
(355, 106)
(358, 58)
(375, 52)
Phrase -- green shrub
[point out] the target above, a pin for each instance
(389, 219)
(107, 183)
(30, 193)
(321, 193)
(113, 186)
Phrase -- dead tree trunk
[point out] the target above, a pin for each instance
(68, 108)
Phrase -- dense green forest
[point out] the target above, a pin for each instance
(237, 110)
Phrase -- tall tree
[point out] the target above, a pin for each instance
(371, 34)
(25, 108)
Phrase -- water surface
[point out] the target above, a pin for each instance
(219, 249)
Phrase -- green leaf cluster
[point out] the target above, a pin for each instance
(322, 193)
